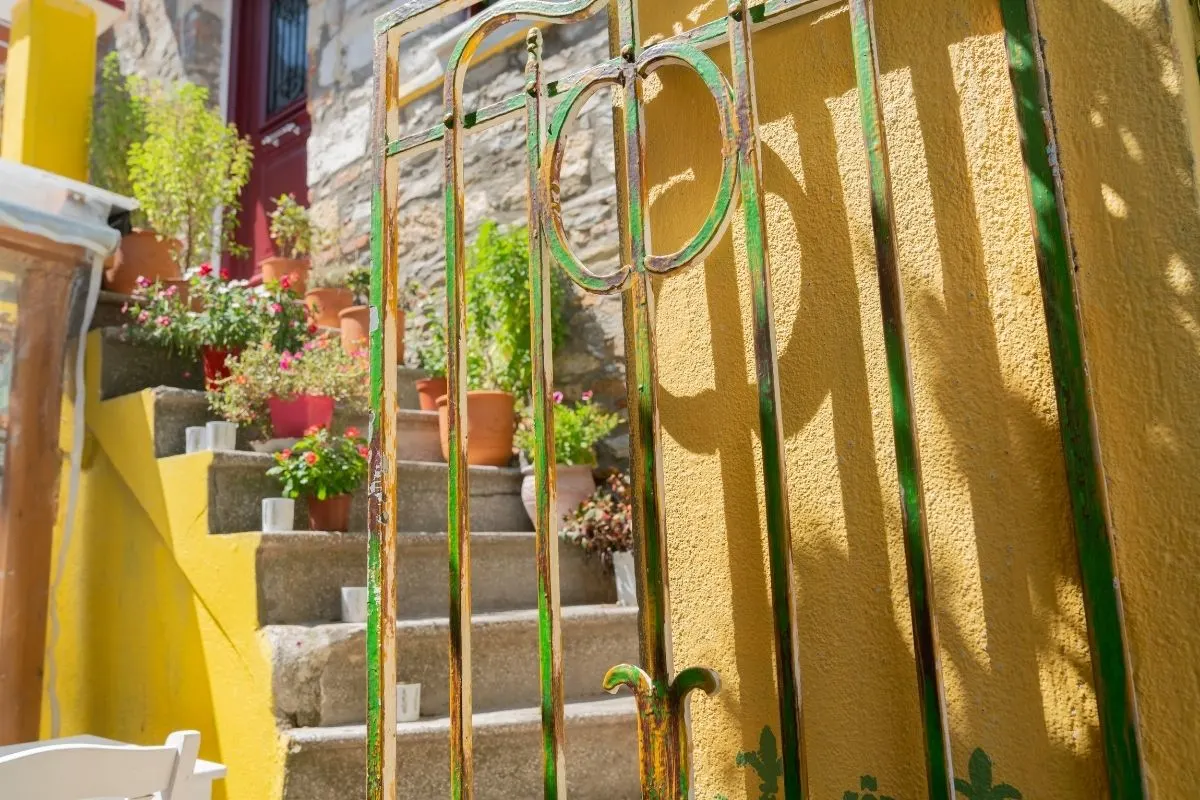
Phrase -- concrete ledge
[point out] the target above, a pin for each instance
(601, 756)
(238, 482)
(320, 671)
(300, 575)
(126, 367)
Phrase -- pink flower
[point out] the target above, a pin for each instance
(313, 430)
(558, 397)
(587, 396)
(276, 308)
(311, 458)
(143, 282)
(205, 269)
(287, 452)
(362, 450)
(311, 344)
(172, 290)
(285, 282)
(125, 308)
(142, 317)
(352, 433)
(286, 360)
(164, 321)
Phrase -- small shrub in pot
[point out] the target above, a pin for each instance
(325, 469)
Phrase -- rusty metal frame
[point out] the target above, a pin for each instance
(549, 107)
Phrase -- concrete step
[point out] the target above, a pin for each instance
(128, 367)
(320, 671)
(601, 756)
(301, 575)
(175, 410)
(238, 481)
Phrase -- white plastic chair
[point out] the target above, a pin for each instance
(89, 771)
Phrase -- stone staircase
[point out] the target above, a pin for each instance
(318, 683)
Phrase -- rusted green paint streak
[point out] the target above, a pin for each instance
(939, 767)
(381, 548)
(779, 536)
(549, 624)
(1101, 590)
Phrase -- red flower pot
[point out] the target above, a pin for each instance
(291, 418)
(331, 514)
(215, 368)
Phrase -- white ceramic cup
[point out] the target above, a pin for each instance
(278, 515)
(197, 439)
(222, 435)
(408, 702)
(354, 604)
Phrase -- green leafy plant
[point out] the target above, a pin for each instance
(577, 430)
(292, 228)
(218, 313)
(980, 786)
(497, 286)
(261, 372)
(358, 281)
(869, 785)
(119, 122)
(426, 333)
(603, 524)
(190, 167)
(322, 465)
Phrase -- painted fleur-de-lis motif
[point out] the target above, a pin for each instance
(765, 762)
(867, 785)
(980, 786)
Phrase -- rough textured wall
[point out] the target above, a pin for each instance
(170, 41)
(1013, 641)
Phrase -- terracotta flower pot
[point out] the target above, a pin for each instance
(291, 418)
(331, 514)
(356, 331)
(574, 484)
(491, 422)
(326, 304)
(215, 368)
(428, 392)
(141, 254)
(274, 268)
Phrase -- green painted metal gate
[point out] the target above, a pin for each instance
(548, 107)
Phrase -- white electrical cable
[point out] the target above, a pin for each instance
(77, 437)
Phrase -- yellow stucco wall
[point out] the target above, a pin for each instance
(1013, 640)
(158, 618)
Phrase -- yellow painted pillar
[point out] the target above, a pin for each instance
(48, 91)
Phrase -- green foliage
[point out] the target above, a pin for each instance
(980, 786)
(868, 784)
(261, 372)
(577, 429)
(603, 524)
(358, 281)
(498, 336)
(765, 762)
(291, 228)
(190, 166)
(425, 334)
(119, 122)
(218, 313)
(322, 465)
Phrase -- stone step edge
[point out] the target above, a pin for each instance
(489, 722)
(341, 631)
(249, 458)
(274, 539)
(409, 416)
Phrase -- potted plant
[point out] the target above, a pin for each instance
(577, 430)
(287, 392)
(294, 235)
(499, 362)
(355, 320)
(427, 331)
(603, 526)
(189, 171)
(326, 469)
(326, 297)
(119, 122)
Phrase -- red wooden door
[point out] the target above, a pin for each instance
(268, 88)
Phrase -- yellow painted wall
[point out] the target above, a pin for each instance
(1013, 640)
(159, 619)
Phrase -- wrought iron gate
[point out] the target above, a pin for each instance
(548, 107)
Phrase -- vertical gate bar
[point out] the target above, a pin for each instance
(549, 623)
(939, 766)
(775, 480)
(458, 490)
(1116, 701)
(381, 512)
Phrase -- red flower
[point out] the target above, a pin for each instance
(587, 396)
(205, 269)
(352, 433)
(311, 458)
(225, 274)
(172, 290)
(142, 317)
(164, 321)
(312, 328)
(276, 308)
(362, 450)
(314, 430)
(287, 452)
(285, 282)
(143, 282)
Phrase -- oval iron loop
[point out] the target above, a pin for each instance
(715, 224)
(606, 74)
